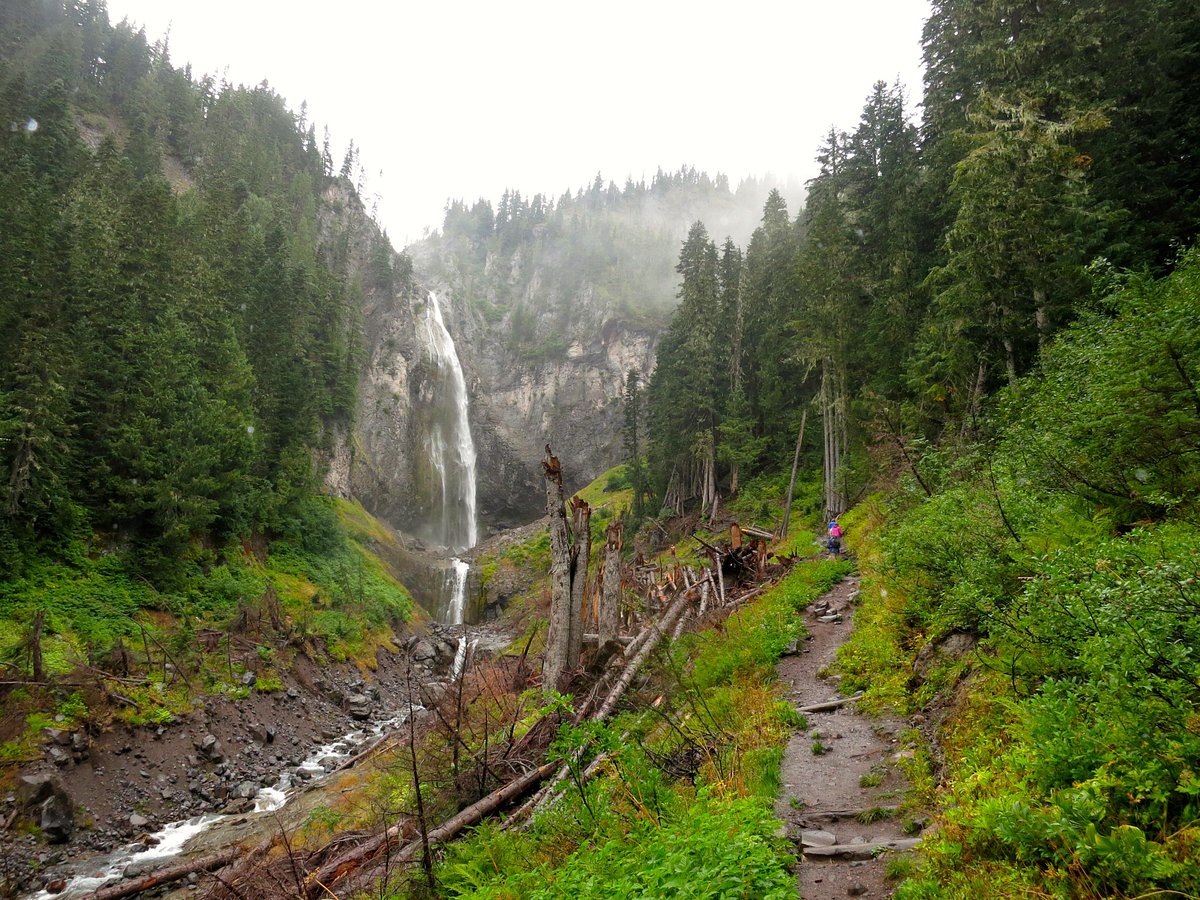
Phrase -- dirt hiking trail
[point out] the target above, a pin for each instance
(841, 778)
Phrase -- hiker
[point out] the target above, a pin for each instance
(835, 538)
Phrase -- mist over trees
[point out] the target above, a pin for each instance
(538, 268)
(931, 264)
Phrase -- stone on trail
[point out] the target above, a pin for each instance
(817, 838)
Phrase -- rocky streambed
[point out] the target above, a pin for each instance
(121, 802)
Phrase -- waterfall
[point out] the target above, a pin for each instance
(457, 578)
(451, 454)
(448, 440)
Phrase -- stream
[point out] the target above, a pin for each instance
(158, 848)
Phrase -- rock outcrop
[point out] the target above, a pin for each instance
(567, 392)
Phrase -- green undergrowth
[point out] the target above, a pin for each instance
(683, 807)
(319, 589)
(1072, 741)
(1037, 594)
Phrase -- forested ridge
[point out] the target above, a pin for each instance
(180, 302)
(542, 270)
(990, 325)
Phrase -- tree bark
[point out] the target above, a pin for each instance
(35, 647)
(787, 509)
(558, 634)
(581, 551)
(608, 622)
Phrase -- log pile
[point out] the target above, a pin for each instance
(669, 596)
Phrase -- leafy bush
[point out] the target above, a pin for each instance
(708, 849)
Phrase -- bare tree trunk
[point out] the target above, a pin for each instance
(1041, 317)
(976, 396)
(558, 634)
(832, 428)
(650, 638)
(787, 509)
(581, 551)
(422, 822)
(608, 622)
(35, 646)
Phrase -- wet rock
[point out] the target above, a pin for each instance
(360, 706)
(246, 790)
(432, 693)
(57, 886)
(817, 838)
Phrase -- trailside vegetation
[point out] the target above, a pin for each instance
(1063, 544)
(990, 321)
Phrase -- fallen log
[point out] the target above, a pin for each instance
(868, 850)
(829, 704)
(549, 795)
(133, 886)
(350, 880)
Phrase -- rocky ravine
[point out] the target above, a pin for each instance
(94, 792)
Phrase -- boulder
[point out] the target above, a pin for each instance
(359, 706)
(56, 818)
(432, 693)
(33, 790)
(210, 748)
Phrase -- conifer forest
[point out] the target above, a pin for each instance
(972, 339)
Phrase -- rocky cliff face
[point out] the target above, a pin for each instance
(570, 399)
(567, 394)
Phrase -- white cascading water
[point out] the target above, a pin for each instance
(168, 842)
(452, 455)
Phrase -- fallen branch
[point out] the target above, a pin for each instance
(133, 886)
(829, 704)
(356, 874)
(239, 867)
(549, 795)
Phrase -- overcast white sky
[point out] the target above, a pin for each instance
(464, 98)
